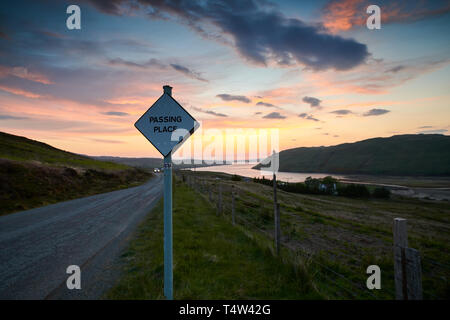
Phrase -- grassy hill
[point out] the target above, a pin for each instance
(149, 163)
(144, 163)
(409, 155)
(34, 174)
(23, 149)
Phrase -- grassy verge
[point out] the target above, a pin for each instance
(212, 259)
(35, 174)
(343, 235)
(25, 185)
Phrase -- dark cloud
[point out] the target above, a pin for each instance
(140, 65)
(274, 115)
(157, 63)
(265, 104)
(116, 113)
(4, 35)
(259, 31)
(8, 117)
(114, 7)
(396, 69)
(217, 114)
(437, 131)
(342, 112)
(52, 34)
(258, 113)
(187, 72)
(107, 141)
(375, 112)
(230, 97)
(313, 102)
(308, 117)
(425, 127)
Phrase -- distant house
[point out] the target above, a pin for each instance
(328, 188)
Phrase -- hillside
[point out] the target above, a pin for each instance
(23, 149)
(34, 174)
(408, 155)
(145, 163)
(148, 163)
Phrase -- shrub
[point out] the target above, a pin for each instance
(235, 177)
(353, 191)
(381, 193)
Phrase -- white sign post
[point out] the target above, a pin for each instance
(167, 125)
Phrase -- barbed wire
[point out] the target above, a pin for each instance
(245, 203)
(436, 263)
(314, 261)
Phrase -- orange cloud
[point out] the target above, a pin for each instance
(24, 73)
(20, 92)
(343, 15)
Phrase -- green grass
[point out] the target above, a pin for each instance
(344, 234)
(34, 174)
(23, 149)
(212, 259)
(25, 185)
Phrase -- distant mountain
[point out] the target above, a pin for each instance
(147, 163)
(411, 154)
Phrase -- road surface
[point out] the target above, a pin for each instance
(37, 246)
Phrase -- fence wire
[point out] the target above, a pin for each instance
(201, 186)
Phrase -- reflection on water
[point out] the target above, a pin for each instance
(247, 171)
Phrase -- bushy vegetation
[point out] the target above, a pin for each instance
(328, 186)
(381, 193)
(235, 177)
(34, 174)
(353, 191)
(27, 185)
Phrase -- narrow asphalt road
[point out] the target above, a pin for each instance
(37, 246)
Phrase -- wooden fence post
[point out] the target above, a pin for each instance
(407, 269)
(232, 206)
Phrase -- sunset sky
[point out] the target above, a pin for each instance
(312, 69)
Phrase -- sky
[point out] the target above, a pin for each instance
(311, 69)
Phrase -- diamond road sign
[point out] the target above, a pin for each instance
(166, 124)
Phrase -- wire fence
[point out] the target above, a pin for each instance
(245, 206)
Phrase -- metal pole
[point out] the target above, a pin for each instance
(232, 206)
(168, 267)
(276, 209)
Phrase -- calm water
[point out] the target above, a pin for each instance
(247, 171)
